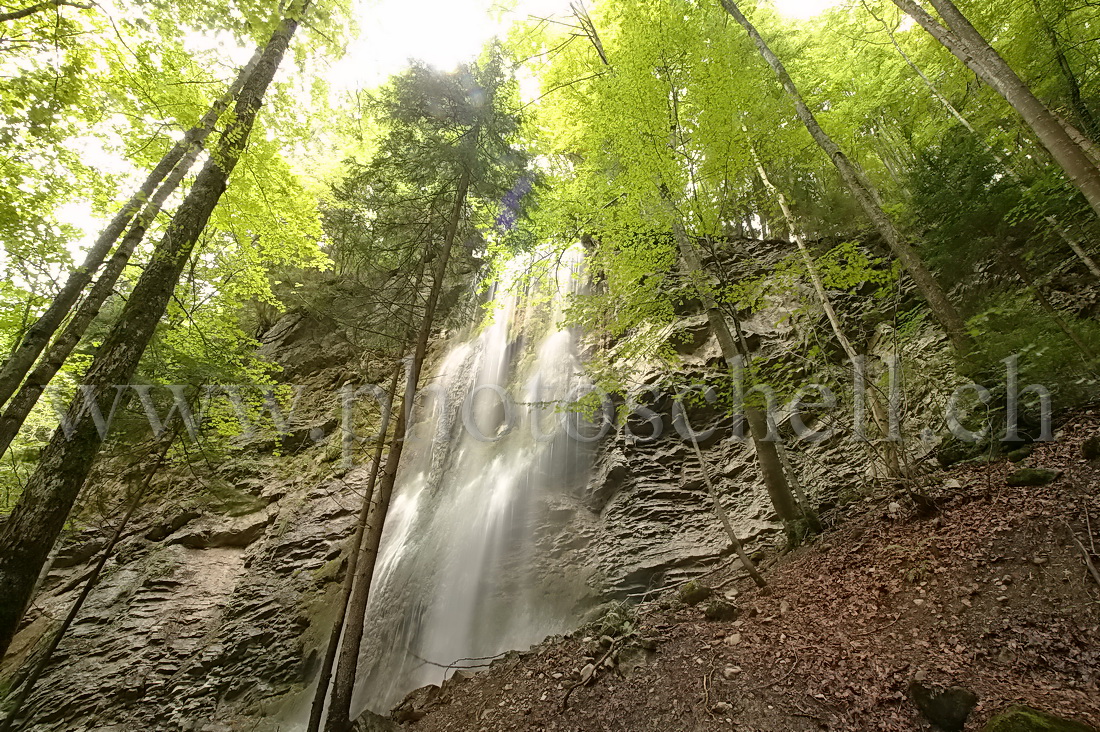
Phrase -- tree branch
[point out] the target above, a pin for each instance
(39, 7)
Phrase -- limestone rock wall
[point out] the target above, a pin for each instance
(211, 615)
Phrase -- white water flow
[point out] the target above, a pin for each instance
(459, 577)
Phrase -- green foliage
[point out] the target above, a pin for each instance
(1012, 326)
(961, 199)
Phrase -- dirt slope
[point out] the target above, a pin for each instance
(986, 591)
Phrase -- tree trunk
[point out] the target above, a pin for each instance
(10, 15)
(38, 336)
(20, 406)
(36, 671)
(813, 521)
(890, 457)
(33, 527)
(808, 260)
(736, 355)
(320, 694)
(720, 512)
(339, 713)
(864, 194)
(965, 43)
(1084, 114)
(317, 711)
(1083, 142)
(1021, 272)
(1063, 233)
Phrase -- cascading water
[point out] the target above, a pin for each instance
(459, 579)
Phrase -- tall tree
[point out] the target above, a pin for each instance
(1062, 231)
(864, 193)
(160, 183)
(968, 45)
(736, 355)
(450, 142)
(35, 382)
(33, 527)
(339, 709)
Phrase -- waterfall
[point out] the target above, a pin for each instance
(460, 576)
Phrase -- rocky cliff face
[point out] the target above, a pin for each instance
(209, 615)
(212, 612)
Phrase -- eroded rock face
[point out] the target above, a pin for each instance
(213, 617)
(202, 629)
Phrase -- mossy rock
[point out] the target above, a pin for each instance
(1033, 476)
(1020, 454)
(694, 593)
(955, 451)
(720, 610)
(1090, 448)
(1026, 719)
(797, 532)
(231, 501)
(947, 709)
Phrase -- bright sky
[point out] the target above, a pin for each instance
(444, 33)
(803, 9)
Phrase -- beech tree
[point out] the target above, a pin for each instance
(863, 192)
(968, 45)
(34, 524)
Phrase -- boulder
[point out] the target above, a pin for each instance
(694, 593)
(720, 610)
(416, 704)
(1021, 453)
(368, 721)
(1033, 476)
(947, 709)
(1026, 719)
(1090, 448)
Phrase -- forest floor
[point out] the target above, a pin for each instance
(988, 592)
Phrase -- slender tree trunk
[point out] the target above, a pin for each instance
(1021, 272)
(1083, 142)
(320, 695)
(861, 189)
(33, 527)
(317, 711)
(1077, 102)
(967, 44)
(38, 336)
(893, 467)
(339, 713)
(20, 406)
(736, 356)
(813, 521)
(1062, 232)
(720, 512)
(36, 671)
(808, 260)
(10, 15)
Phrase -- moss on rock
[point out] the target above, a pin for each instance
(694, 593)
(1033, 476)
(1026, 719)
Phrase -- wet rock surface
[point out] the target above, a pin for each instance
(202, 629)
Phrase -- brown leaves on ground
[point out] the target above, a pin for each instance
(990, 594)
